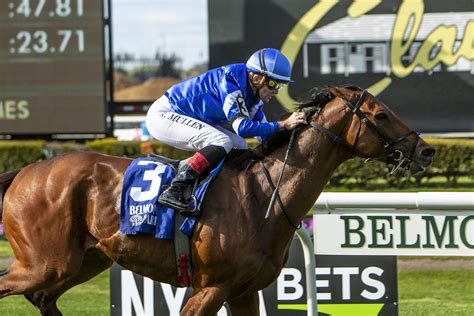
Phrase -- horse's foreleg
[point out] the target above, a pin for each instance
(205, 301)
(245, 306)
(47, 308)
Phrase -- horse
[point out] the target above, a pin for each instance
(61, 215)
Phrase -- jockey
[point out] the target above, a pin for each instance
(192, 115)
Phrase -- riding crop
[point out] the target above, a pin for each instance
(275, 192)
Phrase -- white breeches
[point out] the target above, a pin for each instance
(185, 132)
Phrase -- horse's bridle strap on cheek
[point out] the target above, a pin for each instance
(336, 138)
(388, 144)
(330, 134)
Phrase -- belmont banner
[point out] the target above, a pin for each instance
(415, 55)
(424, 233)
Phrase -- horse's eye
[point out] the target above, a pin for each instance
(381, 116)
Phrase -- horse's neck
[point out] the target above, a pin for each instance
(309, 168)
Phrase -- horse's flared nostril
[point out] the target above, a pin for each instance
(428, 152)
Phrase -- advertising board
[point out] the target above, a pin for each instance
(416, 56)
(346, 285)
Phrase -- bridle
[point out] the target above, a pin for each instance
(397, 156)
(401, 160)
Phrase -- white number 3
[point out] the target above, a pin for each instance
(152, 175)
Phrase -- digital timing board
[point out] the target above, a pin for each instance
(51, 67)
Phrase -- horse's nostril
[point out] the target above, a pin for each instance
(428, 152)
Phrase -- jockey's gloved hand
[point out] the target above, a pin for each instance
(293, 121)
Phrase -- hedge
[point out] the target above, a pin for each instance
(453, 160)
(134, 149)
(17, 154)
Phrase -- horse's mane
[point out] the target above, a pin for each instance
(317, 98)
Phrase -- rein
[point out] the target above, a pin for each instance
(397, 155)
(275, 195)
(280, 203)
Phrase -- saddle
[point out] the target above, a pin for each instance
(145, 215)
(173, 163)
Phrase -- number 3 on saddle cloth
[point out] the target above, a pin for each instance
(144, 180)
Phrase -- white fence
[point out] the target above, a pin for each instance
(411, 201)
(392, 204)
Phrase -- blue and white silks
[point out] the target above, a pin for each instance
(223, 95)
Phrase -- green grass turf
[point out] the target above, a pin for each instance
(436, 292)
(90, 298)
(5, 250)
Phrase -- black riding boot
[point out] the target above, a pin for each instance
(176, 195)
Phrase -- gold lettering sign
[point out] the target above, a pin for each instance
(443, 35)
(407, 24)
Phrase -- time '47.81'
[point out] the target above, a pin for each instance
(51, 8)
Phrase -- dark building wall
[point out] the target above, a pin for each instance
(440, 102)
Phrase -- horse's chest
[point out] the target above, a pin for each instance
(262, 272)
(249, 266)
(270, 269)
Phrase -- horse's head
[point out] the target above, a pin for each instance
(368, 128)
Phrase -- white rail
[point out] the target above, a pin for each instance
(310, 268)
(413, 201)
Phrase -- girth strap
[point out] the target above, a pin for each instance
(182, 252)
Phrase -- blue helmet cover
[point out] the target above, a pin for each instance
(270, 62)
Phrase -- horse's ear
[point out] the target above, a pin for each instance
(343, 93)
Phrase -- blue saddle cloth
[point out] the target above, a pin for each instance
(140, 213)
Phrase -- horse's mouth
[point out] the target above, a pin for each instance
(419, 166)
(416, 168)
(413, 166)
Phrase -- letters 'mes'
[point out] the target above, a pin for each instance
(14, 110)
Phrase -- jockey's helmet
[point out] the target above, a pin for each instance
(271, 63)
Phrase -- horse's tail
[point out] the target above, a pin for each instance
(5, 180)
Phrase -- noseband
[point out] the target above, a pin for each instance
(400, 159)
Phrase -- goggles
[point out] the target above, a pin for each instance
(273, 84)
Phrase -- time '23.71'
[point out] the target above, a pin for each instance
(39, 41)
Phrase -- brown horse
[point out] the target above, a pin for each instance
(61, 215)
